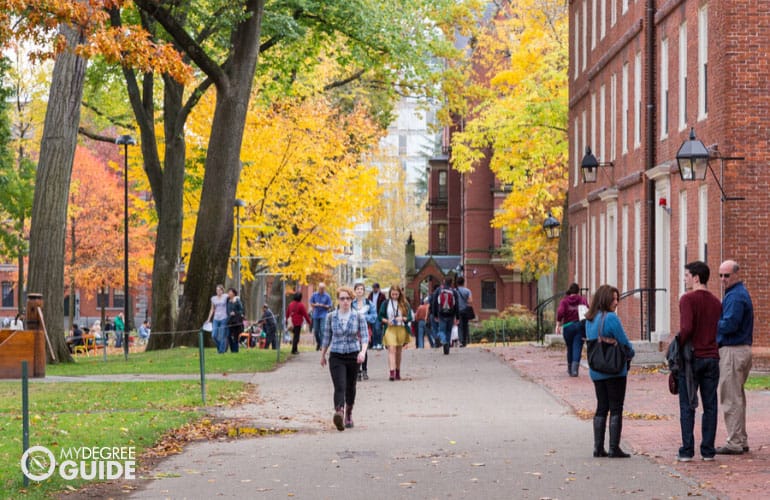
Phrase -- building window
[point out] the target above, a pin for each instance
(488, 295)
(593, 24)
(593, 121)
(442, 188)
(103, 297)
(585, 34)
(624, 248)
(576, 56)
(118, 298)
(613, 115)
(703, 58)
(683, 222)
(442, 246)
(637, 244)
(638, 100)
(624, 110)
(683, 76)
(602, 114)
(664, 89)
(613, 12)
(402, 144)
(624, 7)
(576, 154)
(612, 244)
(703, 222)
(603, 20)
(7, 294)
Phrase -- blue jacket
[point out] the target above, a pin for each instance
(736, 326)
(613, 329)
(371, 312)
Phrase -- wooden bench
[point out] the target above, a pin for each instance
(22, 345)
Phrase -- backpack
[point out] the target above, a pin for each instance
(446, 301)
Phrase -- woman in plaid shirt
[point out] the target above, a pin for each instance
(346, 336)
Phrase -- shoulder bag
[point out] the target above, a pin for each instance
(605, 354)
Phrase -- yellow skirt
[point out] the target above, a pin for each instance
(396, 335)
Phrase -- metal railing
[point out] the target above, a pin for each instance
(645, 296)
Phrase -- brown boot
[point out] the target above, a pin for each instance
(349, 416)
(337, 419)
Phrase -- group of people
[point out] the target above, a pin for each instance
(712, 353)
(227, 319)
(360, 323)
(114, 329)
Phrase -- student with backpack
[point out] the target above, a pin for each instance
(445, 312)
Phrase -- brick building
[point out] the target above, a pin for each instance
(642, 74)
(461, 241)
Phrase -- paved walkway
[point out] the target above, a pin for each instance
(459, 426)
(651, 426)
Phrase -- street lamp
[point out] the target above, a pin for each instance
(551, 226)
(125, 140)
(693, 161)
(238, 204)
(589, 166)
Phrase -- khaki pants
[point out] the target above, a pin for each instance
(734, 368)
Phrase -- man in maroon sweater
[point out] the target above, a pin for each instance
(699, 312)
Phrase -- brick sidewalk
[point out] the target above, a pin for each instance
(651, 423)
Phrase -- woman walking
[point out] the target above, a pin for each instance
(346, 337)
(218, 317)
(610, 389)
(234, 318)
(568, 324)
(295, 314)
(364, 307)
(395, 314)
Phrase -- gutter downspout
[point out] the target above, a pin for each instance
(649, 160)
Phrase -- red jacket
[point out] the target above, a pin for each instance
(296, 312)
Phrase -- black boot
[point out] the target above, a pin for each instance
(573, 368)
(616, 426)
(600, 424)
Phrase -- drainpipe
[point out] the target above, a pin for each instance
(649, 160)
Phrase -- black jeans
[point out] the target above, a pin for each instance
(344, 372)
(295, 339)
(465, 335)
(610, 396)
(707, 381)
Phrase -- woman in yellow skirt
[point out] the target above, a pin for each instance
(395, 314)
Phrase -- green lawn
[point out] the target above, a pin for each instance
(758, 383)
(89, 414)
(181, 360)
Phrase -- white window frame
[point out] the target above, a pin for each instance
(612, 244)
(624, 110)
(577, 154)
(703, 222)
(624, 248)
(703, 58)
(637, 245)
(682, 239)
(638, 100)
(593, 24)
(576, 55)
(603, 20)
(683, 76)
(602, 121)
(613, 116)
(585, 34)
(664, 89)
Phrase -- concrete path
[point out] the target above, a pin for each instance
(459, 426)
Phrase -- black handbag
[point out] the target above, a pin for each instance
(605, 355)
(468, 313)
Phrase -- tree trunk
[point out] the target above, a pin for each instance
(214, 229)
(52, 183)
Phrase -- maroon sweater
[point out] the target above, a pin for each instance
(699, 313)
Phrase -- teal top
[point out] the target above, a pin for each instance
(612, 329)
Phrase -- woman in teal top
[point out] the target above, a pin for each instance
(610, 389)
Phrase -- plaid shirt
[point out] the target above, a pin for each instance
(348, 339)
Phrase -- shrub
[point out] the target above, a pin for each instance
(516, 323)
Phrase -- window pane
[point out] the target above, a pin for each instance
(7, 294)
(488, 295)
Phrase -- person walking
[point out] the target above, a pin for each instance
(235, 312)
(270, 327)
(218, 318)
(464, 310)
(377, 297)
(120, 330)
(735, 334)
(444, 311)
(144, 331)
(421, 317)
(699, 312)
(321, 304)
(295, 315)
(346, 337)
(364, 306)
(396, 315)
(610, 389)
(568, 324)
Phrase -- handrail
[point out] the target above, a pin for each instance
(642, 291)
(539, 312)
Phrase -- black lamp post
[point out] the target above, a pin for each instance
(552, 227)
(693, 160)
(589, 166)
(125, 140)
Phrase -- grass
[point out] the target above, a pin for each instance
(89, 414)
(170, 361)
(758, 383)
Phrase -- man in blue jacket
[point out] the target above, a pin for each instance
(734, 337)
